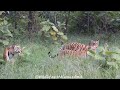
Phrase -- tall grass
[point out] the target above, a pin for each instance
(35, 62)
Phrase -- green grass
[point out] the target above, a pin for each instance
(35, 62)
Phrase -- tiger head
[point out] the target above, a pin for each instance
(17, 49)
(93, 44)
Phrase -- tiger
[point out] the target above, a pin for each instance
(10, 51)
(76, 46)
(76, 49)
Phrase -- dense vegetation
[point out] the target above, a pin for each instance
(43, 31)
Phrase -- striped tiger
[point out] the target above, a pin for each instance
(10, 51)
(76, 49)
(76, 46)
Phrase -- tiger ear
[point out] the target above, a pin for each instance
(98, 41)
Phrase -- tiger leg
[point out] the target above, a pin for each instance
(5, 55)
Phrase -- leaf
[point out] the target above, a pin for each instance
(91, 51)
(102, 53)
(53, 33)
(64, 37)
(55, 29)
(114, 64)
(8, 33)
(5, 22)
(54, 37)
(52, 24)
(46, 28)
(1, 40)
(98, 57)
(111, 63)
(56, 43)
(4, 42)
(47, 35)
(46, 23)
(90, 54)
(110, 52)
(116, 57)
(60, 33)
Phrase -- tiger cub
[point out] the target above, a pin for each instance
(10, 51)
(76, 49)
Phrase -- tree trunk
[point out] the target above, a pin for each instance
(30, 24)
(88, 22)
(15, 20)
(55, 18)
(31, 18)
(66, 22)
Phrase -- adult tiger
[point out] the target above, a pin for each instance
(76, 49)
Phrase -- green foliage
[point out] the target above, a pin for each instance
(50, 30)
(92, 22)
(5, 33)
(61, 26)
(111, 58)
(4, 42)
(19, 21)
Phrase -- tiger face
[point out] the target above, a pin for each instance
(93, 45)
(17, 49)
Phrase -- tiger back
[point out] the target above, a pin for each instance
(80, 51)
(70, 46)
(78, 46)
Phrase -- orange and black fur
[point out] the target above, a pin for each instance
(10, 51)
(76, 49)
